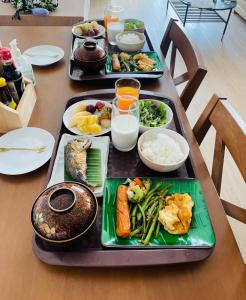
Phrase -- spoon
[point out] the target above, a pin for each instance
(41, 54)
(37, 149)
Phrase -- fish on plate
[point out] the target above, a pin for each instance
(75, 158)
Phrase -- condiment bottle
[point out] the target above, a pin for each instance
(5, 95)
(14, 77)
(22, 63)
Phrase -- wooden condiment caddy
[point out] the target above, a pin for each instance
(12, 119)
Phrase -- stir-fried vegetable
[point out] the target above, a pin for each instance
(138, 189)
(146, 202)
(133, 62)
(152, 115)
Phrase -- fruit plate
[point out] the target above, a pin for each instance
(158, 69)
(68, 114)
(200, 234)
(97, 160)
(100, 34)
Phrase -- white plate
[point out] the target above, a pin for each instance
(44, 55)
(16, 162)
(70, 112)
(101, 33)
(101, 143)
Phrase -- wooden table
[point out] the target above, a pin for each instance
(23, 276)
(68, 13)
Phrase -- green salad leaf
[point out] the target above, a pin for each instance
(152, 115)
(133, 25)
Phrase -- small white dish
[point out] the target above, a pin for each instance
(101, 143)
(149, 136)
(130, 47)
(16, 162)
(101, 32)
(143, 128)
(44, 55)
(70, 112)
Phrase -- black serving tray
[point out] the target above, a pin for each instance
(76, 74)
(88, 252)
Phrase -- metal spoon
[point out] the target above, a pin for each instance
(37, 149)
(41, 54)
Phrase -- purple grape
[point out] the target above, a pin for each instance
(91, 32)
(91, 108)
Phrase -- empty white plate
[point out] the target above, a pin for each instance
(44, 55)
(16, 162)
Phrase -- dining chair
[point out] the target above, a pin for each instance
(196, 70)
(230, 133)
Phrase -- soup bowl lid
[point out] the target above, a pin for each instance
(64, 211)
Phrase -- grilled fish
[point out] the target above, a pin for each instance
(75, 158)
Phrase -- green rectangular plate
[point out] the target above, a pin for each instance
(200, 235)
(93, 172)
(159, 67)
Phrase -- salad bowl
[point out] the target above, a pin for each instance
(154, 114)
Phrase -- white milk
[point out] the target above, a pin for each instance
(124, 131)
(112, 30)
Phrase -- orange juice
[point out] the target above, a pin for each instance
(110, 19)
(127, 90)
(125, 101)
(126, 96)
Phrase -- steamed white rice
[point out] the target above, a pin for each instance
(163, 150)
(129, 38)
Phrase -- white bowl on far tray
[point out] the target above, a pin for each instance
(130, 46)
(169, 111)
(151, 135)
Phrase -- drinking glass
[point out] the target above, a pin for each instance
(127, 86)
(125, 124)
(113, 22)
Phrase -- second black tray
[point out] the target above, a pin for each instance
(77, 74)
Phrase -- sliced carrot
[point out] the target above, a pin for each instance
(138, 182)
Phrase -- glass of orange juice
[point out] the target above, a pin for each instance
(127, 87)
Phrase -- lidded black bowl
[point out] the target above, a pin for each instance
(64, 212)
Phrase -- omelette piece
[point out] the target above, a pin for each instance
(177, 213)
(144, 62)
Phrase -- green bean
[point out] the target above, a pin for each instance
(133, 222)
(157, 231)
(134, 210)
(151, 230)
(151, 193)
(152, 201)
(143, 215)
(149, 224)
(136, 231)
(133, 216)
(151, 209)
(148, 198)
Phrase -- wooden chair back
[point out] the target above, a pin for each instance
(230, 133)
(195, 68)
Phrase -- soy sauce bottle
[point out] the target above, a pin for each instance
(5, 95)
(13, 77)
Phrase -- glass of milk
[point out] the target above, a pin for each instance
(113, 16)
(125, 124)
(113, 28)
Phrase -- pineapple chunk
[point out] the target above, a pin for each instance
(95, 128)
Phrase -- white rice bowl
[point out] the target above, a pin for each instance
(162, 150)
